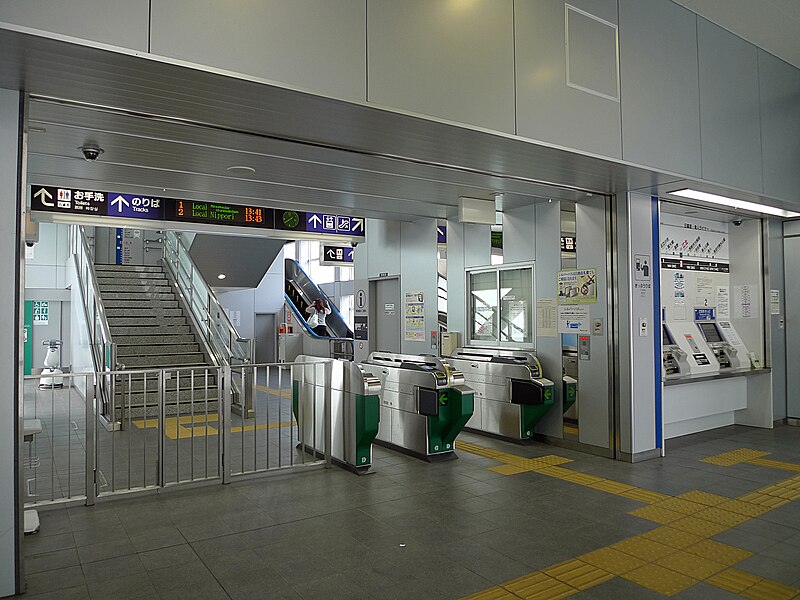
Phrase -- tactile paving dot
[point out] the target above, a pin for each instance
(745, 508)
(699, 527)
(656, 514)
(722, 517)
(682, 506)
(612, 560)
(675, 538)
(718, 552)
(660, 579)
(734, 457)
(613, 487)
(703, 498)
(643, 548)
(691, 565)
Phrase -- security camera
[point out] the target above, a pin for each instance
(29, 244)
(353, 244)
(737, 222)
(91, 152)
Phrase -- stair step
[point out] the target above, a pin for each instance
(149, 340)
(156, 350)
(148, 331)
(171, 409)
(146, 311)
(106, 295)
(145, 321)
(129, 275)
(139, 303)
(129, 268)
(161, 361)
(136, 288)
(184, 395)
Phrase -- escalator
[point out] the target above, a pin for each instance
(299, 293)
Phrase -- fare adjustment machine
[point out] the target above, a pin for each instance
(511, 396)
(355, 413)
(424, 403)
(723, 340)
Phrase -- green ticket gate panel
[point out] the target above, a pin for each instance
(570, 392)
(456, 405)
(28, 338)
(355, 412)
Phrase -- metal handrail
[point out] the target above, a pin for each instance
(174, 249)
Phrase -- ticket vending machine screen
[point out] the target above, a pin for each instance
(710, 332)
(666, 339)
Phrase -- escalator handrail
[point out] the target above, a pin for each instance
(322, 294)
(307, 327)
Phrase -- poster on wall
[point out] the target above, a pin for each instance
(577, 286)
(41, 312)
(573, 318)
(414, 317)
(679, 289)
(744, 302)
(700, 239)
(774, 302)
(546, 317)
(723, 302)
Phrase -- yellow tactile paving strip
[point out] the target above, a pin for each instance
(187, 426)
(668, 559)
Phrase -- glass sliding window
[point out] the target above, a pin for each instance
(516, 305)
(483, 305)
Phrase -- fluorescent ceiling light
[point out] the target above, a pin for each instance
(221, 276)
(733, 203)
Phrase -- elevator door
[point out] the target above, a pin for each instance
(387, 315)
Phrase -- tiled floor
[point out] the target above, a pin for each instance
(444, 530)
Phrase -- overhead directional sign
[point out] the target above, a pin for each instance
(71, 201)
(335, 255)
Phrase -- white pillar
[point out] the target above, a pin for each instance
(10, 345)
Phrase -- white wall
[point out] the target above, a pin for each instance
(10, 347)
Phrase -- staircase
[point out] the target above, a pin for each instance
(151, 331)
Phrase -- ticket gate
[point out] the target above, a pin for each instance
(511, 396)
(424, 404)
(355, 414)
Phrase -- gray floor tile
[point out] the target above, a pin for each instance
(56, 579)
(153, 539)
(771, 568)
(105, 550)
(48, 561)
(174, 556)
(112, 568)
(127, 587)
(80, 592)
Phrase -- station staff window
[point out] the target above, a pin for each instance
(500, 305)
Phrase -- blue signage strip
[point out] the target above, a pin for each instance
(441, 234)
(705, 313)
(135, 206)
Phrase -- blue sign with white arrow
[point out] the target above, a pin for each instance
(134, 206)
(334, 224)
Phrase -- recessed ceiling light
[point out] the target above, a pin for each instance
(221, 276)
(241, 169)
(733, 203)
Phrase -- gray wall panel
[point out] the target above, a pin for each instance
(780, 126)
(547, 108)
(659, 80)
(117, 22)
(316, 45)
(730, 122)
(453, 60)
(777, 328)
(419, 274)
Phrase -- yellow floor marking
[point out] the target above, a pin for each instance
(668, 559)
(578, 574)
(775, 464)
(660, 579)
(261, 426)
(721, 553)
(675, 538)
(734, 457)
(285, 393)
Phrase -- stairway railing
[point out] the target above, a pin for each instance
(103, 348)
(229, 348)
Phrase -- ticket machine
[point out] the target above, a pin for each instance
(424, 403)
(726, 344)
(686, 352)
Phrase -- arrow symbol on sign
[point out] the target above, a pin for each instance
(119, 202)
(42, 194)
(314, 220)
(358, 224)
(350, 254)
(331, 254)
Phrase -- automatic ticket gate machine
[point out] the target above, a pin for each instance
(511, 396)
(355, 409)
(424, 403)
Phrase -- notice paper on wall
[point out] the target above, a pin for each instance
(774, 302)
(723, 302)
(546, 317)
(705, 286)
(414, 317)
(573, 318)
(745, 302)
(577, 286)
(679, 289)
